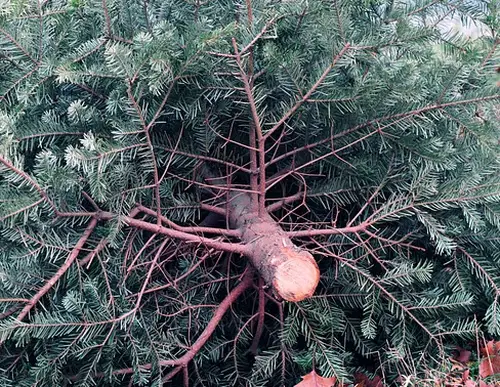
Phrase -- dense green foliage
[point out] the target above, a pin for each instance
(106, 104)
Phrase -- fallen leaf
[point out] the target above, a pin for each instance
(491, 348)
(312, 379)
(489, 366)
(363, 380)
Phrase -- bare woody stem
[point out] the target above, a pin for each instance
(207, 332)
(332, 231)
(181, 235)
(257, 129)
(193, 230)
(63, 269)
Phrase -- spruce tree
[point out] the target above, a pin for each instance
(229, 193)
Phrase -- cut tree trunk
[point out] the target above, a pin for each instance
(291, 271)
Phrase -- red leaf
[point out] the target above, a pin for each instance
(312, 379)
(362, 380)
(491, 348)
(489, 366)
(470, 383)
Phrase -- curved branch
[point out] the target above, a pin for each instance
(287, 200)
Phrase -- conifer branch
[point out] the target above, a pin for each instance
(147, 134)
(392, 298)
(256, 128)
(30, 181)
(192, 230)
(20, 47)
(219, 313)
(306, 96)
(181, 235)
(60, 272)
(18, 82)
(261, 314)
(373, 182)
(107, 19)
(368, 123)
(282, 202)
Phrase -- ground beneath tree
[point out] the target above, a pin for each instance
(478, 366)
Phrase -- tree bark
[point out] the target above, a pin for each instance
(291, 271)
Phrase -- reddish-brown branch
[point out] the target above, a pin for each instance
(107, 18)
(491, 52)
(164, 101)
(368, 123)
(20, 210)
(483, 272)
(223, 188)
(14, 300)
(332, 231)
(145, 127)
(207, 332)
(250, 45)
(415, 11)
(400, 242)
(90, 256)
(214, 209)
(90, 52)
(256, 129)
(249, 12)
(289, 199)
(49, 134)
(143, 248)
(16, 83)
(21, 48)
(10, 311)
(193, 230)
(159, 229)
(322, 157)
(66, 265)
(260, 321)
(254, 166)
(149, 274)
(207, 158)
(186, 274)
